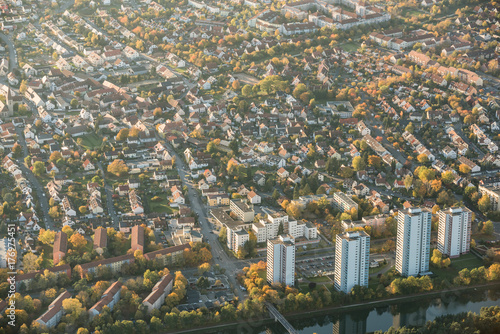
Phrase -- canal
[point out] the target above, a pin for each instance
(370, 319)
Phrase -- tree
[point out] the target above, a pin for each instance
(408, 181)
(30, 262)
(223, 235)
(358, 163)
(77, 241)
(346, 172)
(246, 91)
(464, 169)
(422, 158)
(122, 135)
(17, 150)
(203, 268)
(494, 272)
(275, 194)
(74, 103)
(54, 156)
(484, 204)
(74, 307)
(38, 168)
(83, 209)
(134, 132)
(410, 128)
(488, 228)
(438, 261)
(46, 236)
(118, 168)
(236, 85)
(54, 212)
(447, 177)
(375, 161)
(211, 147)
(23, 87)
(293, 210)
(233, 145)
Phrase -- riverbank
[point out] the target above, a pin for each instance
(247, 325)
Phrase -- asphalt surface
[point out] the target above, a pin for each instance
(35, 184)
(12, 50)
(109, 199)
(220, 257)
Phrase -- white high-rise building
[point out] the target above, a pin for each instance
(352, 257)
(281, 260)
(454, 231)
(413, 241)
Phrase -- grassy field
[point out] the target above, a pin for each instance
(468, 261)
(160, 207)
(408, 12)
(91, 141)
(372, 271)
(319, 279)
(350, 46)
(246, 79)
(304, 287)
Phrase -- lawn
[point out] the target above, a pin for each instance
(411, 12)
(350, 46)
(304, 287)
(465, 261)
(319, 279)
(162, 206)
(91, 141)
(377, 269)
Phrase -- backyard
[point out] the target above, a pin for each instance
(162, 206)
(91, 141)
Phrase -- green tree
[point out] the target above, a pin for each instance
(358, 163)
(408, 181)
(488, 228)
(17, 150)
(38, 168)
(223, 235)
(275, 194)
(74, 103)
(447, 177)
(246, 91)
(484, 204)
(410, 128)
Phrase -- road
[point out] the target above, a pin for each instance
(12, 50)
(388, 146)
(219, 255)
(65, 5)
(109, 199)
(35, 184)
(458, 129)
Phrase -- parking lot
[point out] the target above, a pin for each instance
(318, 266)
